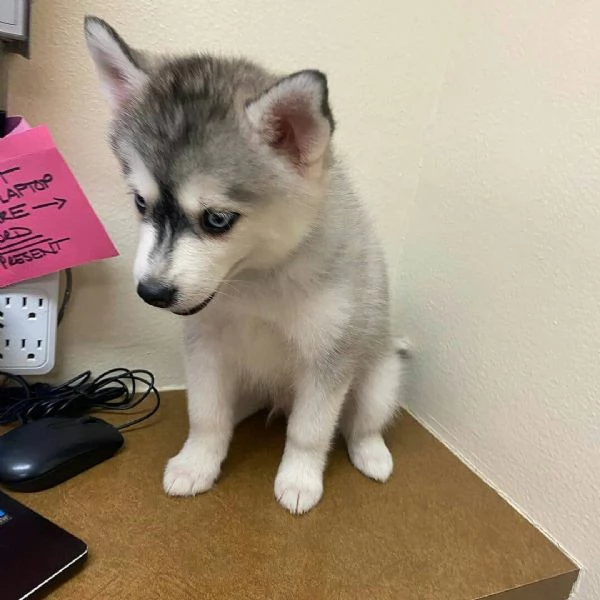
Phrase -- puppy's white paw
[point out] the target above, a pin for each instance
(371, 457)
(191, 472)
(297, 487)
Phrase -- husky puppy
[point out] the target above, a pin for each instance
(249, 227)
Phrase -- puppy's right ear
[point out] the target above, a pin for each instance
(120, 76)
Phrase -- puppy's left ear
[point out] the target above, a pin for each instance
(294, 118)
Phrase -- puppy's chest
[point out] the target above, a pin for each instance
(259, 350)
(272, 340)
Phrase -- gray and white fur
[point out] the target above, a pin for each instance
(250, 228)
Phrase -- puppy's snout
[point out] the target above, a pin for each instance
(156, 293)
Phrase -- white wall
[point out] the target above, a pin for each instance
(384, 77)
(502, 288)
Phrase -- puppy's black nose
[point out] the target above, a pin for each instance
(156, 293)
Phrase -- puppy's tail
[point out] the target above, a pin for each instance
(402, 347)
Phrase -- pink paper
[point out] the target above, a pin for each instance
(46, 222)
(16, 125)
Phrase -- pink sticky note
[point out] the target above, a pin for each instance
(16, 125)
(46, 222)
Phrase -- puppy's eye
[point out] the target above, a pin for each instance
(140, 204)
(217, 222)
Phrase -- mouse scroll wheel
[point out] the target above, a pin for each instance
(88, 420)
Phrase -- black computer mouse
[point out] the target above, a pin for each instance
(44, 453)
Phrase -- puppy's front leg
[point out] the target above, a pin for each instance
(211, 397)
(311, 426)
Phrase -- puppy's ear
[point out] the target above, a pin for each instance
(120, 76)
(294, 118)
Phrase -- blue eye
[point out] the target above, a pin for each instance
(217, 222)
(140, 204)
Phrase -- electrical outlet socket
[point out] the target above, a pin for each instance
(28, 324)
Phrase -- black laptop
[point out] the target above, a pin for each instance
(35, 554)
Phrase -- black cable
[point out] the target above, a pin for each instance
(66, 295)
(117, 390)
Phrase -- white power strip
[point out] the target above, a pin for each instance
(28, 323)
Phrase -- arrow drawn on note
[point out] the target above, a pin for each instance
(58, 202)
